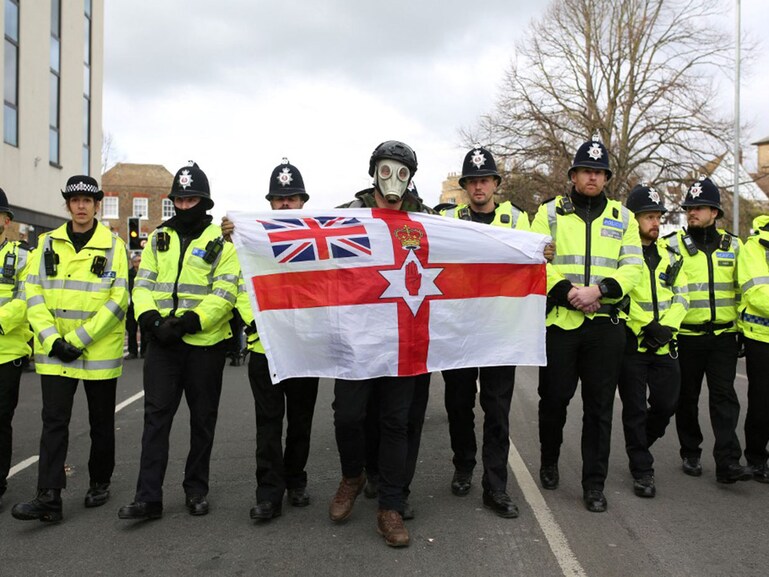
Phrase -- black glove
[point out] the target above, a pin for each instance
(656, 336)
(64, 351)
(250, 329)
(168, 332)
(190, 322)
(147, 321)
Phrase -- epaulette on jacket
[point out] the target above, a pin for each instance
(671, 234)
(546, 201)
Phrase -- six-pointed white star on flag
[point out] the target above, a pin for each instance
(398, 288)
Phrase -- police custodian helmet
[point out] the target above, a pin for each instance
(479, 162)
(592, 154)
(82, 185)
(191, 181)
(394, 150)
(644, 198)
(4, 207)
(286, 180)
(704, 193)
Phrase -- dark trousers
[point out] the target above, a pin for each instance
(170, 372)
(716, 358)
(132, 331)
(58, 396)
(757, 417)
(644, 423)
(277, 470)
(417, 412)
(496, 394)
(350, 406)
(10, 377)
(591, 354)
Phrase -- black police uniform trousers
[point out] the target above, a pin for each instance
(757, 416)
(277, 470)
(132, 332)
(10, 377)
(496, 394)
(592, 354)
(58, 396)
(350, 407)
(170, 372)
(713, 356)
(645, 421)
(417, 412)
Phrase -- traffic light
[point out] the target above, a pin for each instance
(134, 240)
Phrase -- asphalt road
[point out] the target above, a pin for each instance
(693, 527)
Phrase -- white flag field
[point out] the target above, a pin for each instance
(364, 293)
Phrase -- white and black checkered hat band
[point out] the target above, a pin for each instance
(81, 187)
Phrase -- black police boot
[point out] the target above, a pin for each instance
(595, 501)
(141, 510)
(548, 476)
(692, 466)
(298, 497)
(196, 505)
(266, 510)
(644, 487)
(97, 495)
(501, 503)
(761, 472)
(461, 483)
(45, 507)
(733, 473)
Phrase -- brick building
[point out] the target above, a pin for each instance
(136, 190)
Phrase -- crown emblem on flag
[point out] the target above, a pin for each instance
(410, 238)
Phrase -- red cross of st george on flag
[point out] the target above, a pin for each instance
(363, 293)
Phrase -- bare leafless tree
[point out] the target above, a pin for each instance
(639, 74)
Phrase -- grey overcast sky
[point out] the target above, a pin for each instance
(238, 84)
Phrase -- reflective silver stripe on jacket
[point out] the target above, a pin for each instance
(579, 259)
(631, 260)
(717, 286)
(755, 281)
(705, 304)
(49, 332)
(630, 249)
(579, 278)
(81, 364)
(552, 218)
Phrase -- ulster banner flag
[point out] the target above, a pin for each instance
(363, 293)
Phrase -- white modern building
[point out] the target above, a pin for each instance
(52, 72)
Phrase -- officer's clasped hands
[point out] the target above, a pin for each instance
(65, 351)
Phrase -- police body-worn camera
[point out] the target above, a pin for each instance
(50, 261)
(9, 265)
(213, 250)
(671, 273)
(689, 245)
(163, 240)
(567, 207)
(98, 265)
(726, 242)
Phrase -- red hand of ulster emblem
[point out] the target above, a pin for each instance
(413, 279)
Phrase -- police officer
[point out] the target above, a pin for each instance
(480, 180)
(753, 274)
(77, 296)
(184, 294)
(279, 471)
(598, 261)
(392, 165)
(658, 304)
(708, 336)
(132, 327)
(14, 334)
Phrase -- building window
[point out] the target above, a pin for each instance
(141, 208)
(168, 209)
(11, 74)
(55, 83)
(110, 207)
(86, 87)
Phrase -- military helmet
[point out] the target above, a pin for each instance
(592, 154)
(191, 181)
(479, 162)
(286, 180)
(394, 150)
(644, 198)
(82, 185)
(704, 193)
(4, 206)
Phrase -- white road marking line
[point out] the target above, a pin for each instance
(559, 545)
(35, 458)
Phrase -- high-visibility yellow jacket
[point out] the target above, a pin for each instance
(753, 276)
(14, 327)
(243, 305)
(714, 292)
(505, 215)
(654, 299)
(178, 280)
(609, 248)
(85, 308)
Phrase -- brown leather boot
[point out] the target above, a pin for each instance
(390, 526)
(348, 491)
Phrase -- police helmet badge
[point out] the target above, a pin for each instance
(284, 177)
(478, 159)
(185, 179)
(696, 189)
(654, 196)
(594, 151)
